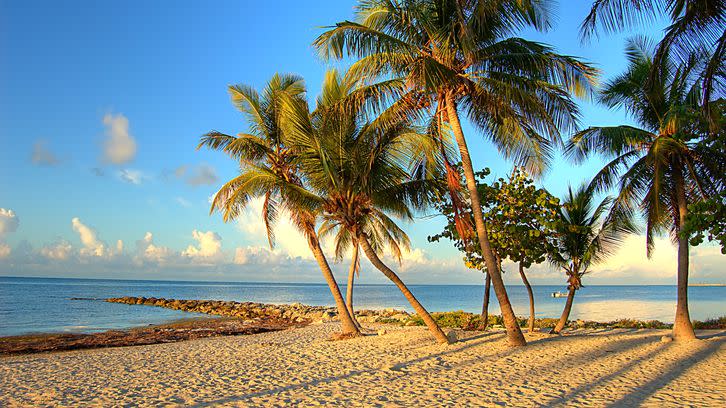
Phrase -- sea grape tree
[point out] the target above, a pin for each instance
(521, 223)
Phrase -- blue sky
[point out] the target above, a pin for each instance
(102, 105)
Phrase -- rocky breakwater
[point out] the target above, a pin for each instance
(295, 312)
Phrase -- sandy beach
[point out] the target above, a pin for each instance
(399, 368)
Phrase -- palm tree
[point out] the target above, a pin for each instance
(268, 169)
(342, 242)
(660, 169)
(585, 235)
(696, 25)
(359, 173)
(352, 272)
(451, 57)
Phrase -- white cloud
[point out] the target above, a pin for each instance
(4, 250)
(119, 147)
(131, 176)
(631, 260)
(59, 251)
(260, 255)
(209, 249)
(288, 239)
(149, 252)
(92, 246)
(9, 222)
(42, 155)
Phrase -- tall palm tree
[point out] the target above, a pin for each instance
(585, 235)
(268, 169)
(656, 166)
(343, 241)
(358, 170)
(352, 272)
(696, 25)
(451, 57)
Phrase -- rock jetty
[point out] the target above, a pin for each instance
(295, 312)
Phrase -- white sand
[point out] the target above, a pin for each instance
(401, 368)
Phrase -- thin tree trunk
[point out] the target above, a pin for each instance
(682, 326)
(531, 297)
(349, 286)
(420, 310)
(514, 333)
(566, 312)
(485, 305)
(348, 326)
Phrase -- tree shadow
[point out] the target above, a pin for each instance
(642, 392)
(645, 391)
(711, 334)
(590, 354)
(468, 343)
(566, 400)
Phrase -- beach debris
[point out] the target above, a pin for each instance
(666, 339)
(452, 336)
(382, 332)
(166, 333)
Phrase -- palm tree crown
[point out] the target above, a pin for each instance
(697, 26)
(658, 159)
(513, 89)
(269, 169)
(358, 172)
(586, 233)
(262, 155)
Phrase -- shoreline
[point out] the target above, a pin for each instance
(228, 318)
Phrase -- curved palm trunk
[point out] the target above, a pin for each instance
(514, 333)
(348, 326)
(349, 287)
(485, 305)
(531, 297)
(566, 312)
(682, 326)
(420, 310)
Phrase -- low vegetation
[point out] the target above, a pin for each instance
(471, 321)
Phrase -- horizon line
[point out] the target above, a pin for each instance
(693, 284)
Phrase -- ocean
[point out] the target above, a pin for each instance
(44, 305)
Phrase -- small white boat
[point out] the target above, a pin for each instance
(559, 294)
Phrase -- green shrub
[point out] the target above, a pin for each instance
(718, 323)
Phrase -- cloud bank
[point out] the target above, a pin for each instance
(205, 258)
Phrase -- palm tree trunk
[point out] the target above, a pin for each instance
(349, 286)
(531, 297)
(420, 310)
(514, 333)
(682, 326)
(485, 305)
(566, 312)
(348, 326)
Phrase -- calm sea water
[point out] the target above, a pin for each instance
(31, 305)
